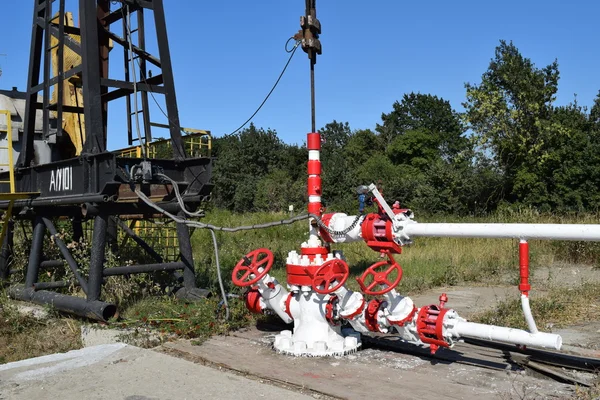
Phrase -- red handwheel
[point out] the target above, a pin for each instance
(380, 272)
(330, 272)
(257, 263)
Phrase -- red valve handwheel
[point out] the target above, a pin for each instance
(331, 271)
(380, 278)
(250, 264)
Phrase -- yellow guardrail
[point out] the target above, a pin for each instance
(197, 143)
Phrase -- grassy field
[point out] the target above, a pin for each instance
(428, 263)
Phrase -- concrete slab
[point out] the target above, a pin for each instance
(371, 373)
(119, 371)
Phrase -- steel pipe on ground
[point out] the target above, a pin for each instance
(587, 232)
(98, 310)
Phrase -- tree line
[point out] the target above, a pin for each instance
(511, 147)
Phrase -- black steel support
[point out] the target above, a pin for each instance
(33, 79)
(35, 254)
(53, 285)
(76, 305)
(77, 225)
(64, 250)
(187, 258)
(139, 269)
(7, 251)
(47, 57)
(52, 264)
(95, 123)
(167, 71)
(97, 257)
(112, 235)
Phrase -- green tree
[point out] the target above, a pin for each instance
(509, 113)
(431, 116)
(362, 145)
(241, 161)
(337, 172)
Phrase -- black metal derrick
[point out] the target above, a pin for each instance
(97, 185)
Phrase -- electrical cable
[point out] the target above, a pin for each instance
(223, 294)
(293, 51)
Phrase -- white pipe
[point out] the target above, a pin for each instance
(502, 334)
(506, 231)
(527, 313)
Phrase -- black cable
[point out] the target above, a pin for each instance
(293, 51)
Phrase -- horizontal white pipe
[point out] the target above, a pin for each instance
(527, 313)
(506, 231)
(508, 335)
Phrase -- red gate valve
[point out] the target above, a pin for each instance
(380, 272)
(251, 264)
(330, 272)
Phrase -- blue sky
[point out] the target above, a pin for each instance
(227, 55)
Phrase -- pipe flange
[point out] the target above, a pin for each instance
(405, 320)
(331, 313)
(253, 300)
(356, 312)
(430, 326)
(371, 315)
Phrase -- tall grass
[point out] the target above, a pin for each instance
(428, 262)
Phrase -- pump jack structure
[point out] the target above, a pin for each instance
(94, 184)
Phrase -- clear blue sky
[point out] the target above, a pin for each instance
(227, 54)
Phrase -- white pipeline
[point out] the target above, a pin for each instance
(505, 231)
(508, 335)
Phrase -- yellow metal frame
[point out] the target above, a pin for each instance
(196, 142)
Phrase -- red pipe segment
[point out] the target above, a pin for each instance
(524, 286)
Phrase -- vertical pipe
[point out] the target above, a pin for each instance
(35, 254)
(314, 173)
(185, 251)
(524, 286)
(97, 258)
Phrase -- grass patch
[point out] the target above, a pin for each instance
(558, 308)
(23, 336)
(171, 317)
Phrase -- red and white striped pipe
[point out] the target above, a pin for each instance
(314, 173)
